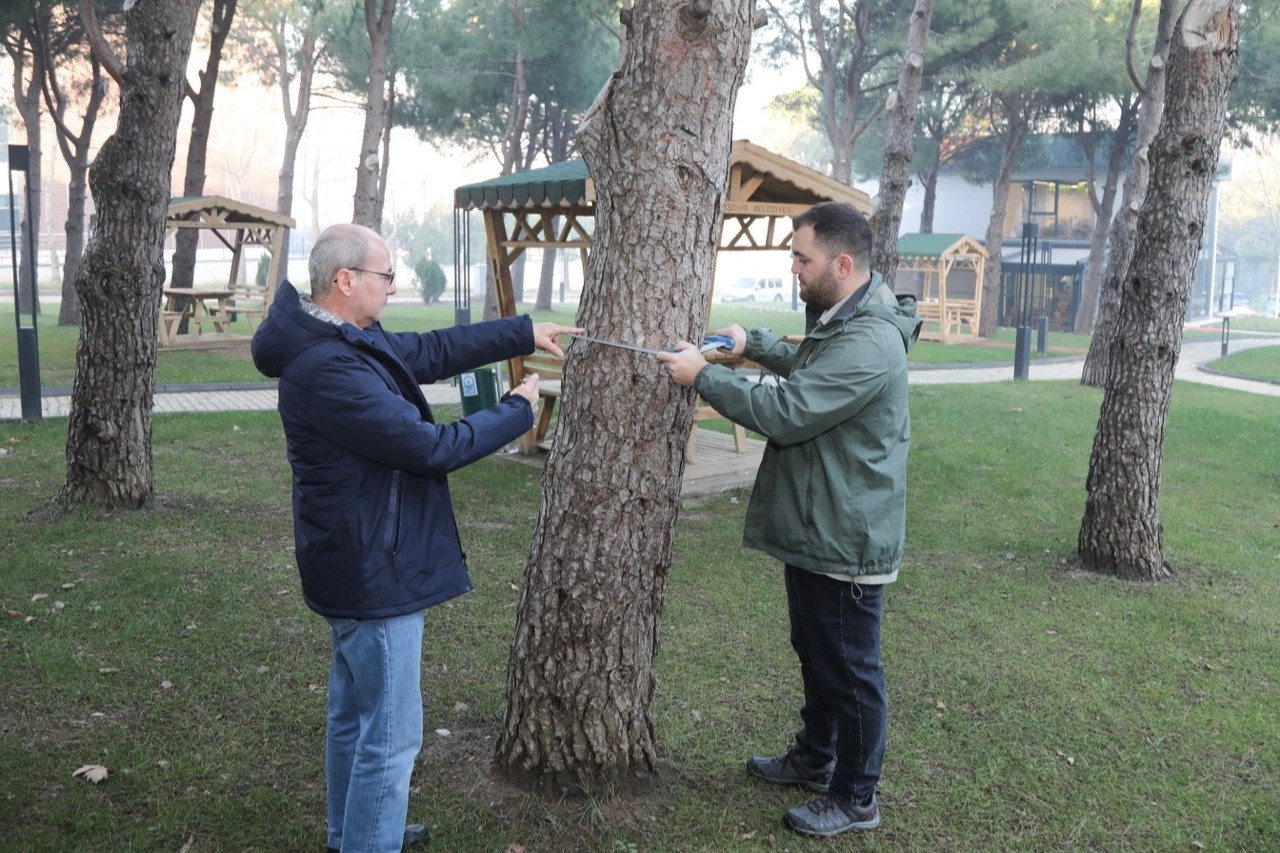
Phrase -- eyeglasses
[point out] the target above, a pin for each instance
(389, 276)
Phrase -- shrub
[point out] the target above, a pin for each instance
(430, 279)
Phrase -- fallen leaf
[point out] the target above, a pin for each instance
(95, 773)
(747, 836)
(460, 707)
(942, 706)
(59, 605)
(29, 620)
(697, 716)
(186, 848)
(1052, 633)
(443, 732)
(1198, 845)
(166, 684)
(262, 669)
(107, 669)
(69, 585)
(15, 441)
(16, 614)
(39, 596)
(513, 586)
(235, 427)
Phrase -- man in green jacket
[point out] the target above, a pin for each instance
(829, 501)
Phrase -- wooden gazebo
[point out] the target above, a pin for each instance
(944, 273)
(554, 207)
(237, 225)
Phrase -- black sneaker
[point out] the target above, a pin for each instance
(832, 815)
(788, 770)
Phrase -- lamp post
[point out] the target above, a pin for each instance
(28, 343)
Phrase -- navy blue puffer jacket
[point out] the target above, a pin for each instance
(373, 523)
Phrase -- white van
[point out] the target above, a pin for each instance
(753, 289)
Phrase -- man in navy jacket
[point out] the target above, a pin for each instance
(374, 527)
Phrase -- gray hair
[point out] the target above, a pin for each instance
(344, 246)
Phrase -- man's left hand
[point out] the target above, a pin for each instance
(684, 364)
(545, 334)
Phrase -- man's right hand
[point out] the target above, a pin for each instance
(528, 388)
(739, 336)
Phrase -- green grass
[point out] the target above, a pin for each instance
(1032, 708)
(1258, 363)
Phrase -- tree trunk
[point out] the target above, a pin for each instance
(580, 681)
(1102, 211)
(1124, 226)
(26, 97)
(1121, 534)
(377, 17)
(546, 283)
(995, 225)
(119, 282)
(187, 240)
(895, 174)
(930, 200)
(295, 119)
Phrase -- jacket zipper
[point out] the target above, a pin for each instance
(391, 538)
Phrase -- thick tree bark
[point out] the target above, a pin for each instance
(378, 15)
(1124, 226)
(187, 240)
(895, 174)
(119, 282)
(1013, 136)
(1103, 208)
(580, 681)
(1121, 533)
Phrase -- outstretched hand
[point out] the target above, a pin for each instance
(545, 334)
(527, 388)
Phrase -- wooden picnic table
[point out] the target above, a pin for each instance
(199, 307)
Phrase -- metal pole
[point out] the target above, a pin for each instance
(28, 341)
(1022, 354)
(461, 266)
(1226, 335)
(1042, 336)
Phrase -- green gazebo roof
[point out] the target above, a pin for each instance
(928, 245)
(557, 185)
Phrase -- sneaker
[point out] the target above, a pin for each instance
(789, 770)
(832, 815)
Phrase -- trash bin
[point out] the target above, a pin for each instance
(479, 390)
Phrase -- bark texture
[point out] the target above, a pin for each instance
(895, 174)
(1121, 532)
(580, 680)
(1125, 225)
(119, 282)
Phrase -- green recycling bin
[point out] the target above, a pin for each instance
(479, 389)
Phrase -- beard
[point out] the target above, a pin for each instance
(823, 292)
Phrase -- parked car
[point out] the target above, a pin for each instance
(1241, 300)
(1269, 307)
(752, 289)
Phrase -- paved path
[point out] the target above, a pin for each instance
(247, 398)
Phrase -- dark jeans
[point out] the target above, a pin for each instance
(835, 630)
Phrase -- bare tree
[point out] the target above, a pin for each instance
(580, 681)
(119, 282)
(895, 175)
(1121, 532)
(23, 46)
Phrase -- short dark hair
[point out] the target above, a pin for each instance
(838, 228)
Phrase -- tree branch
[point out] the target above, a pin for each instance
(98, 44)
(1129, 39)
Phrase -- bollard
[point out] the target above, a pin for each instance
(1042, 336)
(1226, 335)
(1022, 354)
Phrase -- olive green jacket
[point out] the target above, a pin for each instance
(831, 492)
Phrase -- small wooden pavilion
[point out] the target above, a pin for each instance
(237, 225)
(944, 273)
(553, 207)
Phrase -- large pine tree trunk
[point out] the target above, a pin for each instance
(1124, 226)
(895, 174)
(1121, 533)
(580, 681)
(119, 282)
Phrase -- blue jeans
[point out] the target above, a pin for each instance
(835, 630)
(375, 730)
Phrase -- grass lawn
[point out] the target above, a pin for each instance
(1033, 708)
(1258, 363)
